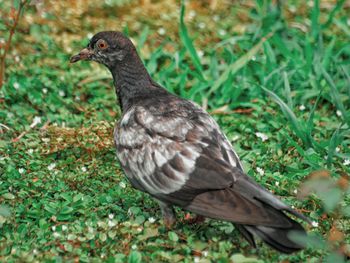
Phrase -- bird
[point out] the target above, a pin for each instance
(172, 149)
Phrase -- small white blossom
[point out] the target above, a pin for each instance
(235, 138)
(161, 31)
(64, 227)
(103, 255)
(295, 191)
(292, 8)
(139, 229)
(83, 169)
(55, 234)
(151, 220)
(277, 183)
(337, 149)
(201, 25)
(133, 247)
(21, 170)
(260, 171)
(253, 58)
(77, 98)
(89, 35)
(36, 121)
(30, 151)
(302, 107)
(51, 166)
(222, 32)
(292, 206)
(314, 224)
(122, 184)
(35, 251)
(44, 90)
(53, 228)
(111, 216)
(192, 14)
(17, 58)
(111, 223)
(205, 253)
(200, 53)
(216, 18)
(346, 162)
(262, 136)
(90, 229)
(338, 112)
(196, 259)
(16, 85)
(61, 93)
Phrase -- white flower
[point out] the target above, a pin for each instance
(200, 53)
(253, 58)
(111, 223)
(277, 183)
(314, 224)
(17, 58)
(205, 253)
(55, 234)
(83, 169)
(64, 227)
(90, 229)
(338, 112)
(77, 98)
(295, 191)
(196, 259)
(292, 206)
(103, 255)
(262, 136)
(222, 32)
(36, 121)
(89, 35)
(53, 228)
(216, 18)
(111, 216)
(16, 85)
(192, 14)
(61, 93)
(44, 90)
(292, 8)
(46, 140)
(151, 220)
(201, 25)
(21, 170)
(134, 247)
(30, 151)
(260, 170)
(302, 107)
(235, 138)
(337, 149)
(51, 166)
(346, 162)
(122, 184)
(139, 229)
(161, 31)
(35, 251)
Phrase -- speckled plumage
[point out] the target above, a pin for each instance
(175, 151)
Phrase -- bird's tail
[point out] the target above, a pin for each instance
(277, 238)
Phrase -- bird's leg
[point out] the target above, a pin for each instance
(167, 213)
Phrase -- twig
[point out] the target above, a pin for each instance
(7, 47)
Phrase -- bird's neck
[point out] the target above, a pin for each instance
(131, 80)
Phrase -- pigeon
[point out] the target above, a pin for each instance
(172, 149)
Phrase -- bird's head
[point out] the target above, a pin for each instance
(108, 48)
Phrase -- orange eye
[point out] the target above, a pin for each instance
(102, 44)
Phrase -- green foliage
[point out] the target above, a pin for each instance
(63, 196)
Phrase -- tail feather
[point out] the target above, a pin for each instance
(277, 238)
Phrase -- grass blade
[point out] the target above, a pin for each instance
(237, 65)
(186, 40)
(297, 127)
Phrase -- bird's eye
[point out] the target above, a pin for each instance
(101, 44)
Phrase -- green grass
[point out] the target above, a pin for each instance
(63, 196)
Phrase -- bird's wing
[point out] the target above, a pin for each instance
(184, 159)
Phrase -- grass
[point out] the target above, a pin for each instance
(258, 67)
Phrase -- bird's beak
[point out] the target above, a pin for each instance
(84, 54)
